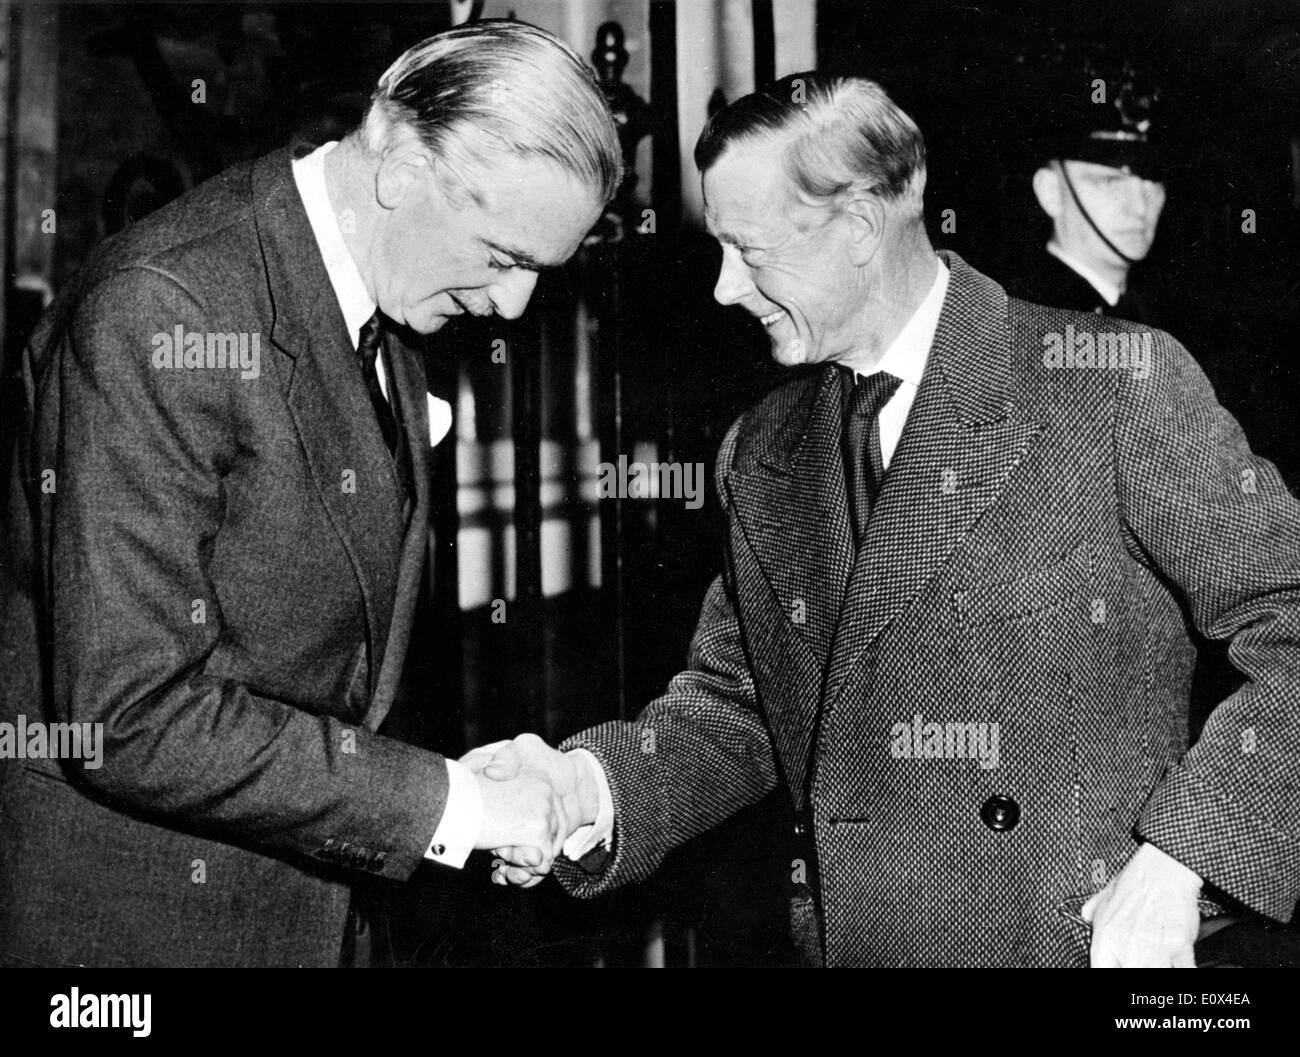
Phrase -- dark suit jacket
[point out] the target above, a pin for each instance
(1042, 543)
(205, 584)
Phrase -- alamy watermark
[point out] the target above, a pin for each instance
(1115, 350)
(38, 740)
(191, 350)
(921, 740)
(651, 480)
(75, 1010)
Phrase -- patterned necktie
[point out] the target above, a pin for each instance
(864, 465)
(372, 335)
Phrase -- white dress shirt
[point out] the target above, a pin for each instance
(904, 359)
(462, 817)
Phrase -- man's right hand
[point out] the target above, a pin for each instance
(571, 790)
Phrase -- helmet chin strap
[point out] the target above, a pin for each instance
(1065, 173)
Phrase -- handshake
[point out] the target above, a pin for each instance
(534, 798)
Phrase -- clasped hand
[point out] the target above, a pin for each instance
(534, 797)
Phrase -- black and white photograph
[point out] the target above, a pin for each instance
(633, 484)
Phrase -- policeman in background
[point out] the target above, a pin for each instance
(1101, 182)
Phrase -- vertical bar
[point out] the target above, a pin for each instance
(666, 169)
(9, 59)
(528, 618)
(9, 418)
(605, 260)
(33, 145)
(655, 954)
(764, 43)
(443, 569)
(666, 175)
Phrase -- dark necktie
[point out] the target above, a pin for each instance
(864, 465)
(372, 336)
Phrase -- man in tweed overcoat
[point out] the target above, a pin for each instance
(981, 712)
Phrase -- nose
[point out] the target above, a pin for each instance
(733, 278)
(1142, 197)
(510, 294)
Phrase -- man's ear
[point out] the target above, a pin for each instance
(402, 166)
(1047, 189)
(866, 213)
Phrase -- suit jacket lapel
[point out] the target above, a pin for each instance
(411, 389)
(963, 438)
(350, 466)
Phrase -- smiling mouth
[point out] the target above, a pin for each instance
(768, 320)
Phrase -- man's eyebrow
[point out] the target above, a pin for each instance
(523, 260)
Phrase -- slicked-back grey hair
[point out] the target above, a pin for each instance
(493, 87)
(841, 134)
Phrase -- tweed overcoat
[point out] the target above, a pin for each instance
(1047, 534)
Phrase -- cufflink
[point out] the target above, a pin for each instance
(439, 849)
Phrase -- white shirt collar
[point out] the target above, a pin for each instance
(349, 289)
(1109, 292)
(353, 298)
(907, 353)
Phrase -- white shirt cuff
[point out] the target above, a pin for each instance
(585, 838)
(462, 818)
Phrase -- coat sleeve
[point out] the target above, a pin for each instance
(695, 756)
(1208, 514)
(140, 456)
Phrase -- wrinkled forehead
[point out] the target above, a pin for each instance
(747, 193)
(534, 211)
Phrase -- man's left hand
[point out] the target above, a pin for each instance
(1147, 916)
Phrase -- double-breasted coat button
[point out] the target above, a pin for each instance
(801, 829)
(1000, 813)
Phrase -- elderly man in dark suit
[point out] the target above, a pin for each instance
(218, 520)
(965, 555)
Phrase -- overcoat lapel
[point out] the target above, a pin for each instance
(791, 508)
(963, 439)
